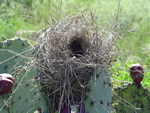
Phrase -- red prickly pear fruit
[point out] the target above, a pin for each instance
(5, 83)
(137, 73)
(8, 76)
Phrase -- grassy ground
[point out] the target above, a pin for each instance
(132, 20)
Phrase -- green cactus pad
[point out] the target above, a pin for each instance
(13, 53)
(131, 98)
(99, 96)
(27, 96)
(3, 104)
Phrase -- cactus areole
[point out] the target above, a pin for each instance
(137, 73)
(6, 83)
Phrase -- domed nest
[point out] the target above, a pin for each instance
(67, 54)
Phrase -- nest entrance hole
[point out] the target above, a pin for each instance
(76, 47)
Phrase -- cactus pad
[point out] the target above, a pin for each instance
(27, 95)
(131, 98)
(13, 53)
(3, 104)
(99, 96)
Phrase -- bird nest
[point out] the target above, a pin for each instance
(68, 52)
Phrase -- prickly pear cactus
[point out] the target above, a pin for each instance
(131, 98)
(99, 96)
(13, 53)
(27, 96)
(3, 104)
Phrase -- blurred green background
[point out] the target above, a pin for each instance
(28, 18)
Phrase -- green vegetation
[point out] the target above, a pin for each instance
(132, 20)
(122, 75)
